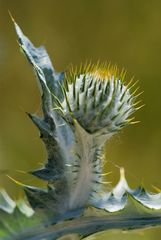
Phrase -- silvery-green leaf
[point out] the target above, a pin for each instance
(117, 199)
(41, 59)
(15, 218)
(6, 203)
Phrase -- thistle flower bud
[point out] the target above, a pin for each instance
(99, 99)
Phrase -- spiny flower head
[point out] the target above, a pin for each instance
(98, 97)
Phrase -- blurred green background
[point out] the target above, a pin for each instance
(124, 32)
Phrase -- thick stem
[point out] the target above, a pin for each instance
(89, 225)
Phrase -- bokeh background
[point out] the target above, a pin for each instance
(124, 32)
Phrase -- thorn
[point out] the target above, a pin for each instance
(122, 173)
(156, 189)
(105, 174)
(134, 84)
(135, 96)
(134, 122)
(13, 20)
(15, 181)
(129, 120)
(140, 107)
(20, 171)
(135, 91)
(130, 82)
(136, 103)
(41, 164)
(102, 182)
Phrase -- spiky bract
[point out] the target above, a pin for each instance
(99, 98)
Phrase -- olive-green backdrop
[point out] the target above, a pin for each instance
(124, 32)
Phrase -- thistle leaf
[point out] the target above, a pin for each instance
(40, 57)
(15, 217)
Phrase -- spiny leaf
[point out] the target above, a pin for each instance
(15, 217)
(41, 59)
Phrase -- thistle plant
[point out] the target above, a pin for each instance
(82, 109)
